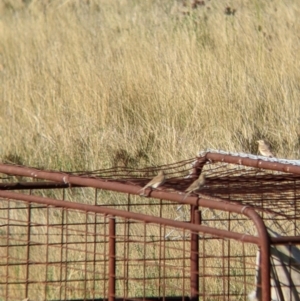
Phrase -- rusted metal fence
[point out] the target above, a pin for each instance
(91, 236)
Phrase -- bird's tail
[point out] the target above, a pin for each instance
(143, 190)
(180, 206)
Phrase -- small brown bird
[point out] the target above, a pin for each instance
(155, 182)
(264, 149)
(196, 185)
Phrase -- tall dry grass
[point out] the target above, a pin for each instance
(90, 84)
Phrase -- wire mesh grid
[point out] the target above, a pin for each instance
(50, 253)
(274, 195)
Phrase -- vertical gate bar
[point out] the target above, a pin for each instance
(112, 260)
(265, 245)
(63, 248)
(195, 218)
(47, 253)
(228, 255)
(95, 246)
(126, 236)
(7, 248)
(67, 252)
(28, 246)
(265, 268)
(86, 253)
(160, 253)
(105, 252)
(144, 261)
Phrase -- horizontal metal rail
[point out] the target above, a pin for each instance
(257, 163)
(131, 215)
(33, 185)
(284, 240)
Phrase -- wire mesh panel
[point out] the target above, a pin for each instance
(150, 266)
(51, 253)
(227, 270)
(58, 253)
(285, 272)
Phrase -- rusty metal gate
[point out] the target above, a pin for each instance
(91, 236)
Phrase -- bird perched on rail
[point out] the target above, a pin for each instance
(155, 182)
(198, 184)
(264, 149)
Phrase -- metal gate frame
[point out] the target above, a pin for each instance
(262, 240)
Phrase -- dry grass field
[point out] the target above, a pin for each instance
(91, 84)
